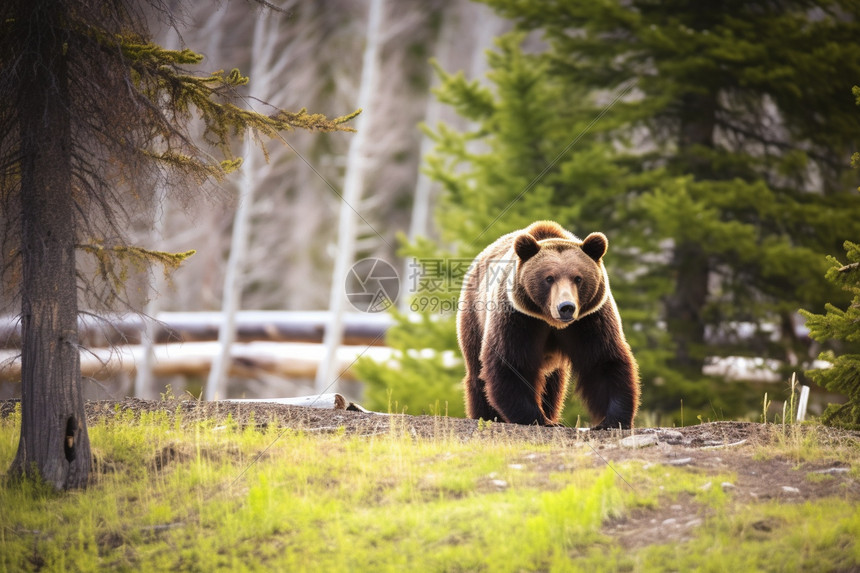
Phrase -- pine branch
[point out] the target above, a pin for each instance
(164, 83)
(114, 263)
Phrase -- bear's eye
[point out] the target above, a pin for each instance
(577, 280)
(550, 279)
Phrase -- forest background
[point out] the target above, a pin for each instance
(711, 144)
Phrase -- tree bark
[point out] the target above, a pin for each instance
(684, 307)
(54, 444)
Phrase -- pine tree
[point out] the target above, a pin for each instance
(92, 114)
(840, 325)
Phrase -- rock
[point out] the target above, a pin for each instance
(671, 435)
(670, 521)
(705, 487)
(727, 486)
(679, 462)
(833, 471)
(516, 466)
(639, 441)
(499, 483)
(789, 489)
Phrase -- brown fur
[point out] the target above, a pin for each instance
(535, 307)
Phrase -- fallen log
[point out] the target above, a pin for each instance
(326, 401)
(332, 401)
(252, 325)
(249, 360)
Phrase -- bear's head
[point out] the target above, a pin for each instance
(559, 280)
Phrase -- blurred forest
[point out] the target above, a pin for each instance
(711, 143)
(319, 46)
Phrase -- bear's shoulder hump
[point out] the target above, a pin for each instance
(542, 230)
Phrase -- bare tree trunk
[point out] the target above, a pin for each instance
(265, 66)
(233, 279)
(352, 190)
(420, 220)
(232, 291)
(54, 443)
(143, 381)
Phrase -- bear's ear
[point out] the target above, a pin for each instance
(595, 245)
(525, 246)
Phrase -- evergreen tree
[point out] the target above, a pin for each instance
(837, 324)
(91, 114)
(718, 175)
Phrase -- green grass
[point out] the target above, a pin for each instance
(819, 536)
(168, 497)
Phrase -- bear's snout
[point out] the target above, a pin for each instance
(566, 311)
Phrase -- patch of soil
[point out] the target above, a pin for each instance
(675, 521)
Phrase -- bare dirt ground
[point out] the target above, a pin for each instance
(758, 455)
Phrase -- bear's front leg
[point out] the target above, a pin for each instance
(512, 391)
(619, 415)
(610, 392)
(477, 404)
(512, 353)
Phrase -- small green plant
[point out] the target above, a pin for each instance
(167, 395)
(790, 406)
(765, 406)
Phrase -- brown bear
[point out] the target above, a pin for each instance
(534, 306)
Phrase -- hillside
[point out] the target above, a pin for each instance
(192, 485)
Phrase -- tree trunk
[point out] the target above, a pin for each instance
(327, 375)
(266, 64)
(684, 307)
(233, 279)
(54, 444)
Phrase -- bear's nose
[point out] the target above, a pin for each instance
(566, 310)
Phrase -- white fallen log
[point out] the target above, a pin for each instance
(251, 325)
(248, 360)
(332, 401)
